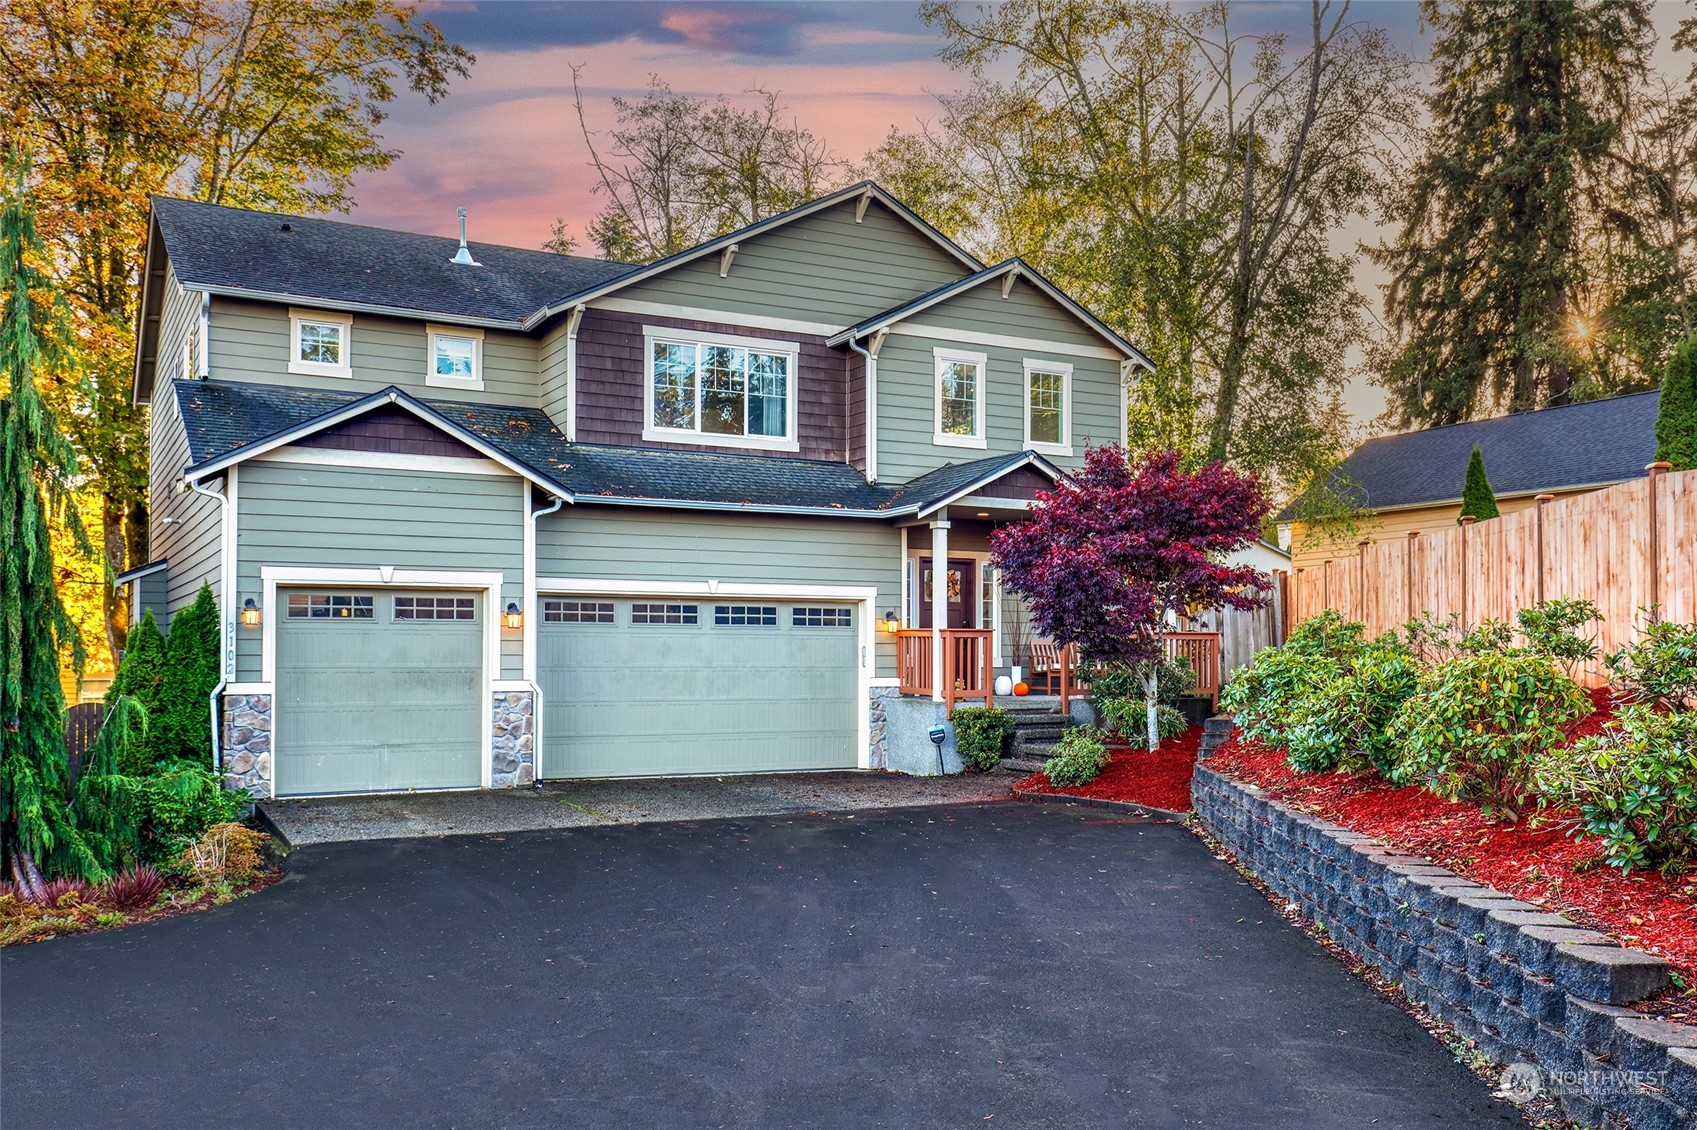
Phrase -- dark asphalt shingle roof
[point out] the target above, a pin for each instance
(223, 417)
(1600, 441)
(327, 260)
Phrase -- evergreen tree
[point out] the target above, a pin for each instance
(39, 834)
(1531, 94)
(1676, 413)
(141, 677)
(1477, 497)
(182, 726)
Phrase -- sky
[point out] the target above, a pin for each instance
(505, 144)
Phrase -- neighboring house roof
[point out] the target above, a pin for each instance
(290, 258)
(139, 572)
(228, 422)
(1020, 270)
(1576, 445)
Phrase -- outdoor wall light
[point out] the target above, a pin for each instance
(513, 619)
(892, 623)
(250, 613)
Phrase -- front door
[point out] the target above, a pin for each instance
(963, 589)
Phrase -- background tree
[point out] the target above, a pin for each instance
(1185, 181)
(1477, 498)
(680, 170)
(1114, 554)
(273, 104)
(1676, 409)
(1532, 101)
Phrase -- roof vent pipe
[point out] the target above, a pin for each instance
(463, 255)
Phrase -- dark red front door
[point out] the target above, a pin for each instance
(963, 579)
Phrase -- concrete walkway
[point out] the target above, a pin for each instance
(576, 804)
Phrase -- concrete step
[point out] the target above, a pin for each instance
(1024, 766)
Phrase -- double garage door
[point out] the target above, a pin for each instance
(383, 690)
(647, 687)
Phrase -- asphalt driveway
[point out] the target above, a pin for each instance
(991, 965)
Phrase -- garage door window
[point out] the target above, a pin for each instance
(746, 615)
(823, 617)
(577, 612)
(328, 606)
(435, 608)
(665, 614)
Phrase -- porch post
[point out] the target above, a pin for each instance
(939, 600)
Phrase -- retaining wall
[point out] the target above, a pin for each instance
(1529, 986)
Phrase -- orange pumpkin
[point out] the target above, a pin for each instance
(1021, 689)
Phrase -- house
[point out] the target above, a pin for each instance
(1413, 481)
(478, 515)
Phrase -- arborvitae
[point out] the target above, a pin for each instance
(141, 677)
(1476, 496)
(182, 728)
(1676, 413)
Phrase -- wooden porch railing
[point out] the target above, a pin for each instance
(1202, 651)
(969, 663)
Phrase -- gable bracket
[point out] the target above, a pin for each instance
(877, 341)
(725, 258)
(1008, 280)
(860, 205)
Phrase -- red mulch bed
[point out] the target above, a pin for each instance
(1160, 779)
(1537, 860)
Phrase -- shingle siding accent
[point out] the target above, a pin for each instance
(612, 368)
(392, 431)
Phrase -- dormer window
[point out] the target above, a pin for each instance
(455, 358)
(318, 343)
(720, 390)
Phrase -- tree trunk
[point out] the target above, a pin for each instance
(1151, 688)
(112, 544)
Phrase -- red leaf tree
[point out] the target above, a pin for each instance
(1112, 555)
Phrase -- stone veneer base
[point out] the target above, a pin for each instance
(1526, 985)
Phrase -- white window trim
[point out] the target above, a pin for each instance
(434, 379)
(791, 440)
(941, 356)
(313, 368)
(1052, 368)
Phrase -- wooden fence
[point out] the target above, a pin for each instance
(1245, 631)
(1625, 548)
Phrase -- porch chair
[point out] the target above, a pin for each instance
(1046, 665)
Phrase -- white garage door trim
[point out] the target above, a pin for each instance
(865, 597)
(271, 576)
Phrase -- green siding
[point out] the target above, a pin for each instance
(250, 342)
(183, 528)
(640, 544)
(820, 268)
(350, 517)
(906, 398)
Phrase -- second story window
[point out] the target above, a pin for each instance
(319, 345)
(709, 388)
(959, 384)
(455, 357)
(1048, 407)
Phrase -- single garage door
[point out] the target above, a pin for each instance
(640, 687)
(378, 691)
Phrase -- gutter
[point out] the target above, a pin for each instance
(224, 656)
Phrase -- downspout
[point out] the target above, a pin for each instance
(203, 360)
(871, 410)
(531, 630)
(223, 626)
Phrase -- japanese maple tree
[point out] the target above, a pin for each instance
(1117, 551)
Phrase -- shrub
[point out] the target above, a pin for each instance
(1477, 498)
(1342, 722)
(1173, 679)
(1079, 757)
(224, 854)
(179, 801)
(1553, 629)
(141, 677)
(1661, 666)
(63, 892)
(1129, 718)
(1676, 410)
(1634, 786)
(1327, 634)
(982, 735)
(135, 889)
(181, 727)
(1471, 730)
(1275, 697)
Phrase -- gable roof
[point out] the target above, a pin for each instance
(1015, 266)
(1576, 445)
(228, 422)
(269, 255)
